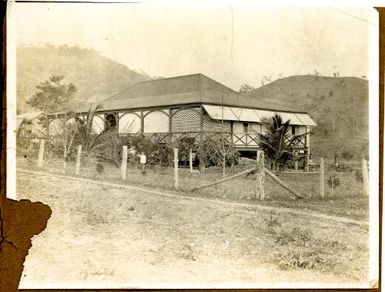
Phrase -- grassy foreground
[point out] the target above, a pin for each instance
(344, 200)
(126, 238)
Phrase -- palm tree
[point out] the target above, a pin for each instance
(103, 145)
(277, 142)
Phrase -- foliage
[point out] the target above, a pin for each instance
(347, 154)
(358, 175)
(156, 153)
(213, 149)
(277, 142)
(245, 88)
(333, 181)
(52, 95)
(184, 146)
(296, 236)
(62, 140)
(104, 145)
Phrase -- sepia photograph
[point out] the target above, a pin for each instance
(222, 145)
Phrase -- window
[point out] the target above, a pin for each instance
(109, 121)
(245, 127)
(293, 130)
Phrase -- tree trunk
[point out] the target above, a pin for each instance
(224, 167)
(65, 159)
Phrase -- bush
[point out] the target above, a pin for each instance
(333, 181)
(184, 146)
(156, 153)
(211, 152)
(27, 147)
(296, 237)
(347, 154)
(358, 175)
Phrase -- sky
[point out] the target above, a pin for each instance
(234, 44)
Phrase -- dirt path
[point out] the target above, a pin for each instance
(110, 235)
(249, 207)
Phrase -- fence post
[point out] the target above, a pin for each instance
(176, 179)
(77, 172)
(259, 187)
(123, 170)
(307, 158)
(322, 177)
(365, 177)
(190, 160)
(41, 154)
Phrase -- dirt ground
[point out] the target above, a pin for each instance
(100, 236)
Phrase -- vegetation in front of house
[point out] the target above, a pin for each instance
(277, 142)
(346, 200)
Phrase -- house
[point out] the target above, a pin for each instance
(194, 106)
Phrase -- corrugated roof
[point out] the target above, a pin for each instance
(195, 88)
(253, 115)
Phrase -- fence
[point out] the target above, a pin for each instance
(191, 180)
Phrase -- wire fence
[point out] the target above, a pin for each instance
(346, 179)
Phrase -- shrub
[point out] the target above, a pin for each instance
(347, 154)
(303, 260)
(184, 145)
(156, 153)
(211, 152)
(358, 175)
(296, 237)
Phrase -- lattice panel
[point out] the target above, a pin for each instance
(186, 120)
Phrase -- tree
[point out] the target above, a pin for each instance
(277, 142)
(104, 145)
(53, 95)
(245, 88)
(62, 132)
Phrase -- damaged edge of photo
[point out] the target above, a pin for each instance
(11, 102)
(373, 53)
(373, 147)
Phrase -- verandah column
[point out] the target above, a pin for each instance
(141, 122)
(201, 161)
(170, 127)
(307, 148)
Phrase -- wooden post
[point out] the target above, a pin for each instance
(201, 161)
(176, 179)
(170, 126)
(322, 177)
(190, 160)
(307, 158)
(365, 177)
(259, 187)
(123, 170)
(77, 172)
(41, 154)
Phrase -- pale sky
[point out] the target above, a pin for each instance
(231, 43)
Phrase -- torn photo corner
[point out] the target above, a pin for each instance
(227, 145)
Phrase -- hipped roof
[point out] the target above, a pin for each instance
(188, 89)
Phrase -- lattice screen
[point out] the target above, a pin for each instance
(186, 120)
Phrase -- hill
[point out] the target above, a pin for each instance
(95, 76)
(339, 105)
